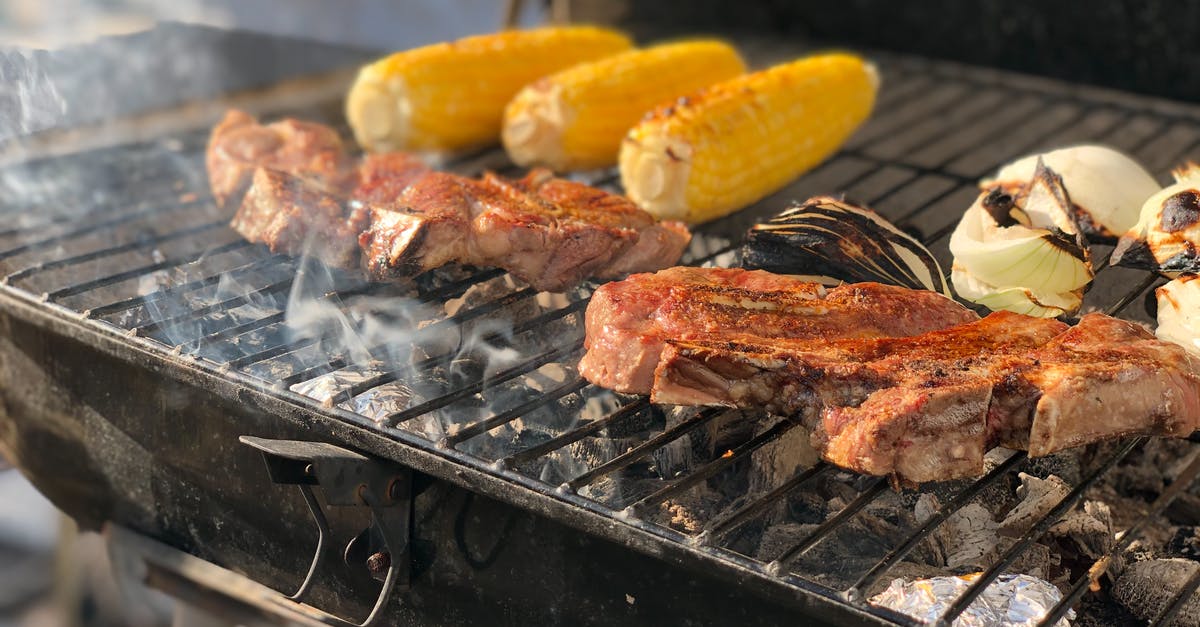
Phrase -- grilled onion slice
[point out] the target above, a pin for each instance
(832, 241)
(1167, 235)
(1016, 299)
(1179, 312)
(1022, 251)
(1106, 186)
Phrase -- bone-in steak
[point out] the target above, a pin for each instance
(628, 322)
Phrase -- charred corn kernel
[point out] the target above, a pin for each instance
(575, 119)
(450, 96)
(731, 144)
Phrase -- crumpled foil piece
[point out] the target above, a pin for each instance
(1010, 601)
(376, 403)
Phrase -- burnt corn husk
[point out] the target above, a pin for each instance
(834, 242)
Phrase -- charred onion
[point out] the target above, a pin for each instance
(832, 241)
(1022, 250)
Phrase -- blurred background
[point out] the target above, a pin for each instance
(66, 62)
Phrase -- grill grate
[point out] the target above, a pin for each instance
(138, 248)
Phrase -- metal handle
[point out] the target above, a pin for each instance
(348, 479)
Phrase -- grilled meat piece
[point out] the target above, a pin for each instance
(1107, 378)
(629, 322)
(239, 145)
(914, 407)
(926, 408)
(383, 176)
(296, 216)
(547, 232)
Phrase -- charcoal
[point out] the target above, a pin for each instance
(1145, 589)
(1185, 543)
(1184, 510)
(1038, 496)
(1086, 533)
(781, 460)
(964, 538)
(805, 506)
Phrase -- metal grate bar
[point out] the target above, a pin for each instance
(442, 359)
(959, 501)
(446, 291)
(507, 416)
(245, 327)
(269, 353)
(1132, 295)
(908, 115)
(1181, 598)
(424, 332)
(91, 228)
(528, 365)
(182, 288)
(139, 244)
(87, 286)
(93, 212)
(719, 528)
(578, 433)
(1036, 531)
(877, 486)
(1081, 585)
(712, 468)
(646, 448)
(225, 305)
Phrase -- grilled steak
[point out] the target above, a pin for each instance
(928, 407)
(547, 232)
(239, 145)
(629, 322)
(296, 216)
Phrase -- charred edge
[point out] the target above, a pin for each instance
(1186, 261)
(1134, 253)
(1180, 212)
(1095, 232)
(999, 204)
(1068, 243)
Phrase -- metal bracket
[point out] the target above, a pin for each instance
(349, 479)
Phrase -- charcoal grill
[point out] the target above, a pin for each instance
(141, 338)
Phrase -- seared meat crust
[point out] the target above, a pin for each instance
(629, 322)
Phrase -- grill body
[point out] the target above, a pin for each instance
(125, 404)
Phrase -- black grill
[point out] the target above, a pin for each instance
(125, 242)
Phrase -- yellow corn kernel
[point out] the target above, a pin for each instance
(731, 144)
(575, 119)
(451, 96)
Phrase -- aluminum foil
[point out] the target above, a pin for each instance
(376, 403)
(1011, 600)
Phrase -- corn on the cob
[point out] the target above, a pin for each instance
(451, 96)
(575, 119)
(731, 144)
